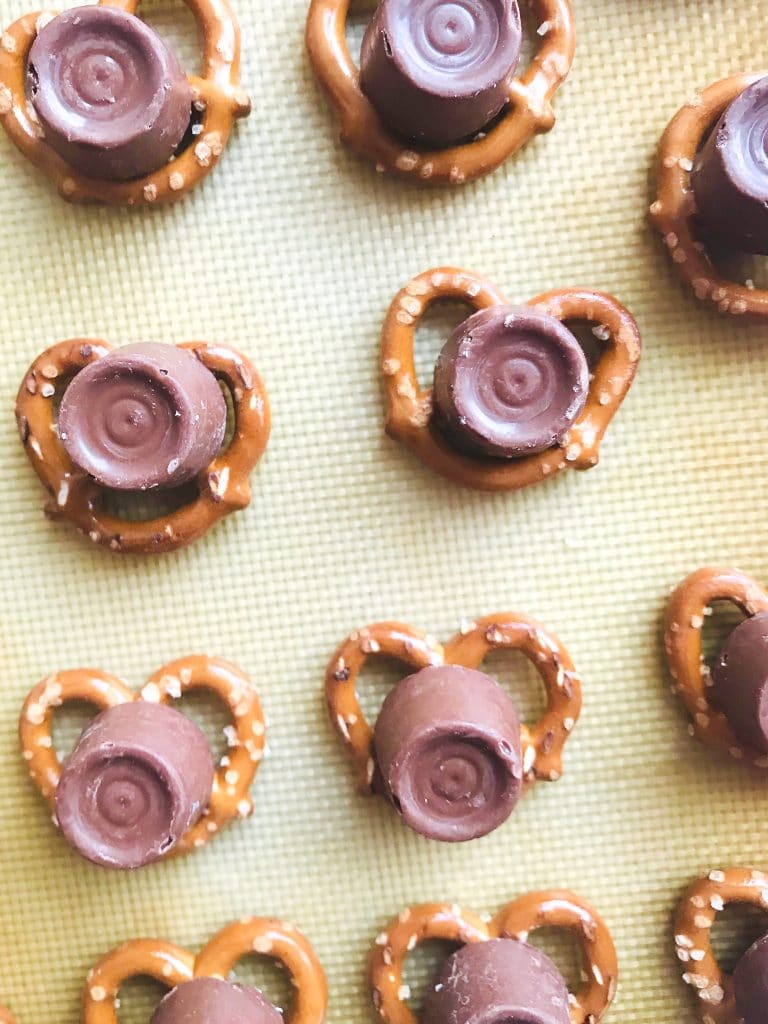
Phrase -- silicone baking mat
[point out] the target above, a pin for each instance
(292, 251)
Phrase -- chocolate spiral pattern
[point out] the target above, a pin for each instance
(730, 174)
(213, 1001)
(111, 97)
(510, 381)
(447, 743)
(750, 983)
(143, 416)
(140, 776)
(437, 70)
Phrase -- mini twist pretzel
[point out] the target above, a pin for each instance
(6, 1017)
(685, 617)
(410, 407)
(217, 97)
(529, 111)
(673, 211)
(173, 966)
(551, 908)
(222, 487)
(694, 918)
(230, 795)
(542, 743)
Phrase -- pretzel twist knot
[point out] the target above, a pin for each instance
(547, 909)
(172, 966)
(223, 487)
(528, 112)
(409, 408)
(217, 99)
(236, 770)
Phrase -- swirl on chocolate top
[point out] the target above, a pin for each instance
(213, 1001)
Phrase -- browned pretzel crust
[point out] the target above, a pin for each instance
(542, 743)
(530, 99)
(217, 97)
(673, 212)
(694, 918)
(222, 487)
(172, 966)
(409, 407)
(686, 613)
(6, 1017)
(236, 770)
(548, 909)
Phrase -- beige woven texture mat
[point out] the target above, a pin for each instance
(292, 251)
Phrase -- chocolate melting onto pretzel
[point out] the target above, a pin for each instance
(213, 1001)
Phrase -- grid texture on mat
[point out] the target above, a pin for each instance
(292, 251)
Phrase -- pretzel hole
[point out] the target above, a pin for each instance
(532, 40)
(518, 676)
(210, 714)
(593, 339)
(720, 619)
(746, 268)
(69, 721)
(269, 976)
(421, 968)
(379, 675)
(175, 23)
(564, 951)
(359, 14)
(734, 931)
(438, 323)
(138, 998)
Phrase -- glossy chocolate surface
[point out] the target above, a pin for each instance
(213, 1001)
(740, 681)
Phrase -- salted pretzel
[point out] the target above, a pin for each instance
(217, 99)
(221, 488)
(542, 743)
(236, 770)
(6, 1017)
(686, 613)
(548, 909)
(694, 918)
(172, 966)
(528, 113)
(409, 407)
(673, 211)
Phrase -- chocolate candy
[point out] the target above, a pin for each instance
(501, 981)
(740, 681)
(438, 71)
(212, 1001)
(143, 416)
(140, 776)
(750, 983)
(111, 97)
(730, 175)
(447, 743)
(510, 381)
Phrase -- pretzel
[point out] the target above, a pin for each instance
(694, 918)
(6, 1017)
(548, 909)
(682, 641)
(529, 111)
(409, 407)
(218, 99)
(673, 212)
(172, 966)
(222, 488)
(542, 743)
(230, 796)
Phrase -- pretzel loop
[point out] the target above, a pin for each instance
(151, 958)
(529, 111)
(685, 618)
(222, 487)
(694, 918)
(218, 98)
(409, 407)
(6, 1017)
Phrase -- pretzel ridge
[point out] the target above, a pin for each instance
(529, 112)
(542, 743)
(685, 618)
(673, 211)
(409, 407)
(236, 770)
(223, 487)
(172, 966)
(550, 908)
(217, 95)
(694, 917)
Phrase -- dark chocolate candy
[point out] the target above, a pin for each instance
(438, 71)
(447, 743)
(140, 776)
(110, 96)
(750, 983)
(730, 174)
(509, 382)
(740, 681)
(212, 1001)
(148, 415)
(501, 981)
